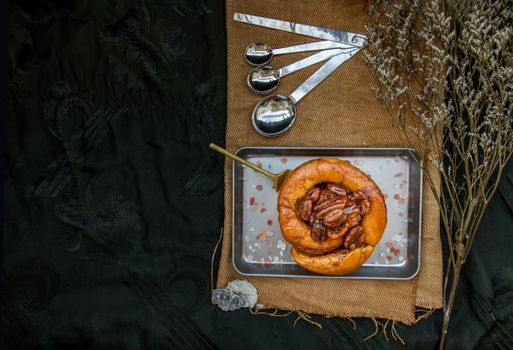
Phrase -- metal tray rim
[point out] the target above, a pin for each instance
(319, 276)
(412, 150)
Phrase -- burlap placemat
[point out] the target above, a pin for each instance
(340, 112)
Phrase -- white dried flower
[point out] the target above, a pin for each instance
(446, 79)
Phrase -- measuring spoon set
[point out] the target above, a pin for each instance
(276, 114)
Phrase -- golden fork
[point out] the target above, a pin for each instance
(277, 179)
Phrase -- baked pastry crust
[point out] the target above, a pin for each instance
(329, 257)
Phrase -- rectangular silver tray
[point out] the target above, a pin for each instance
(258, 247)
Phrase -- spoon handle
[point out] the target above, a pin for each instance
(307, 62)
(355, 39)
(320, 45)
(321, 74)
(240, 160)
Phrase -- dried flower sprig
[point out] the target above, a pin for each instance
(444, 72)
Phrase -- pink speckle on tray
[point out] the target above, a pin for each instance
(399, 198)
(262, 235)
(263, 210)
(401, 214)
(385, 195)
(252, 201)
(284, 160)
(391, 247)
(399, 174)
(269, 222)
(259, 187)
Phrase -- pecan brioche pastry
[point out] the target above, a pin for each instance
(333, 214)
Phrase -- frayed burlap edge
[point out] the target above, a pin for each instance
(301, 315)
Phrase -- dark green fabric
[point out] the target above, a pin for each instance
(114, 202)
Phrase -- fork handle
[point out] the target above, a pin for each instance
(240, 160)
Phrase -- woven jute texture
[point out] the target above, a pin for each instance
(341, 112)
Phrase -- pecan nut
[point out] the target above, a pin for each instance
(351, 209)
(326, 194)
(334, 217)
(353, 219)
(304, 208)
(364, 206)
(354, 238)
(335, 206)
(338, 232)
(328, 203)
(314, 194)
(338, 189)
(360, 198)
(318, 231)
(312, 219)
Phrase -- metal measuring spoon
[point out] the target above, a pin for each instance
(258, 54)
(264, 79)
(274, 115)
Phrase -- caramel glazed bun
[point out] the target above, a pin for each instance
(333, 214)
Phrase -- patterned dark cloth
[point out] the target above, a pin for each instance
(114, 202)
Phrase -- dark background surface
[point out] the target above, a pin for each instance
(113, 202)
